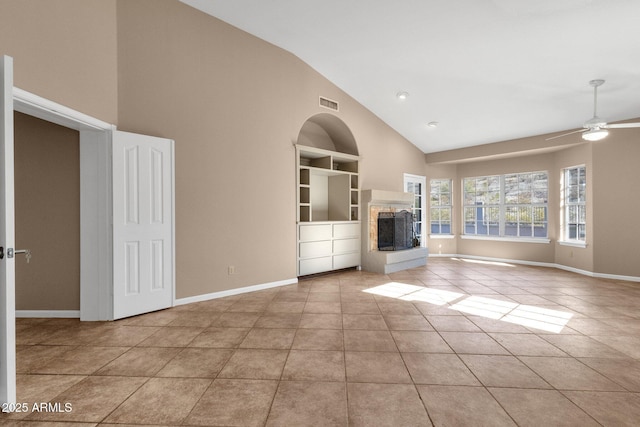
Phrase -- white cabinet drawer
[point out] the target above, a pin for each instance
(340, 231)
(346, 260)
(314, 265)
(311, 233)
(315, 249)
(346, 245)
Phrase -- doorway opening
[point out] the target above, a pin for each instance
(47, 211)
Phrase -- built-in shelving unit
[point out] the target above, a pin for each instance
(328, 210)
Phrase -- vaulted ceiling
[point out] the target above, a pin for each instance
(484, 70)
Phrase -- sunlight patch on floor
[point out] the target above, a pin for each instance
(480, 261)
(407, 292)
(526, 315)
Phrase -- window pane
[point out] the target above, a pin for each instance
(482, 184)
(573, 231)
(540, 230)
(573, 176)
(493, 197)
(573, 194)
(410, 187)
(582, 231)
(511, 189)
(469, 198)
(582, 193)
(539, 214)
(469, 214)
(539, 196)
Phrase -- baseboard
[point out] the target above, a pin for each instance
(72, 314)
(543, 264)
(237, 291)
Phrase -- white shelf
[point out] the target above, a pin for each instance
(328, 210)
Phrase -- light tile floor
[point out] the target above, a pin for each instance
(454, 343)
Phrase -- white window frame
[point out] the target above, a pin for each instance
(579, 205)
(422, 180)
(440, 206)
(499, 209)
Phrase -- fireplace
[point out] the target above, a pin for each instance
(395, 231)
(385, 258)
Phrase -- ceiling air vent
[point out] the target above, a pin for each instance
(327, 103)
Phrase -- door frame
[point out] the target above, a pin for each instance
(7, 234)
(96, 252)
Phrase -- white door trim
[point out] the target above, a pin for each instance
(408, 177)
(7, 239)
(37, 106)
(95, 198)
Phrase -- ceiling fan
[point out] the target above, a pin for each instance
(595, 128)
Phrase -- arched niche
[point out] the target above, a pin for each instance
(328, 132)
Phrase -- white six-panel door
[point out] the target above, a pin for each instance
(7, 237)
(143, 255)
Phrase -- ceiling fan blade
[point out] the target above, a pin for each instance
(566, 134)
(622, 125)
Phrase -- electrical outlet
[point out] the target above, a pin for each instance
(232, 269)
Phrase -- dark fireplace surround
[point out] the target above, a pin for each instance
(395, 231)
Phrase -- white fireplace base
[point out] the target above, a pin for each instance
(385, 262)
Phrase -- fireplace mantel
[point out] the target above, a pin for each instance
(383, 197)
(385, 262)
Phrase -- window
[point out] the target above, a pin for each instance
(416, 184)
(511, 205)
(440, 206)
(482, 205)
(575, 209)
(525, 199)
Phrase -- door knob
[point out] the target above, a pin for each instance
(11, 252)
(26, 252)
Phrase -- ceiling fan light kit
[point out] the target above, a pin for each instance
(595, 134)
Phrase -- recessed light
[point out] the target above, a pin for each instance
(402, 95)
(433, 124)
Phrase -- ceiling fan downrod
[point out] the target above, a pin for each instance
(595, 83)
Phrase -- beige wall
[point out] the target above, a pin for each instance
(616, 210)
(235, 106)
(47, 188)
(65, 51)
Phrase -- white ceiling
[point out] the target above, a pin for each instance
(486, 70)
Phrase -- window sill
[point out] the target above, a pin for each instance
(573, 243)
(442, 236)
(508, 239)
